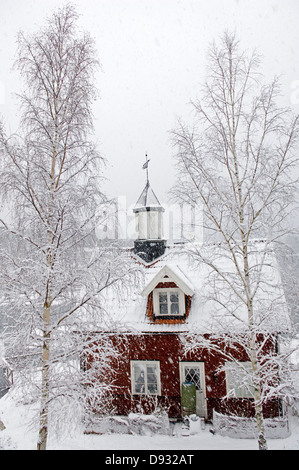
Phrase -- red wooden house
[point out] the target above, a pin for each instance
(152, 364)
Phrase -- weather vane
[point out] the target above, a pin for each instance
(145, 167)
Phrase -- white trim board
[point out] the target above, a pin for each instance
(173, 277)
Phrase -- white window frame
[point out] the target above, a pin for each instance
(232, 387)
(146, 392)
(169, 291)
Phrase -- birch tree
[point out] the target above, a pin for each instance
(236, 161)
(53, 271)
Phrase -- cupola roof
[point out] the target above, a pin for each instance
(147, 198)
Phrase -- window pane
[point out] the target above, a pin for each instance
(163, 309)
(162, 297)
(151, 369)
(174, 297)
(139, 378)
(174, 306)
(139, 370)
(152, 383)
(174, 309)
(192, 374)
(151, 378)
(139, 388)
(163, 305)
(152, 388)
(152, 373)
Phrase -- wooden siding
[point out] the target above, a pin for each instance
(168, 350)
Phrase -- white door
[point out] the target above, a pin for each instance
(194, 372)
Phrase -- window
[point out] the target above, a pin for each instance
(239, 379)
(169, 302)
(145, 376)
(192, 375)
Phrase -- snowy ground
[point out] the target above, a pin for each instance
(19, 436)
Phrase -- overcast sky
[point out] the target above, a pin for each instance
(153, 56)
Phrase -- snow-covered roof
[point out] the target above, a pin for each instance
(172, 272)
(147, 199)
(213, 305)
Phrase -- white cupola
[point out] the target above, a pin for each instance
(150, 243)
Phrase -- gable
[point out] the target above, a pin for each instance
(169, 277)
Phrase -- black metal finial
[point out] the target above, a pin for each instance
(145, 167)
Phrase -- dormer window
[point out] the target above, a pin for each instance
(168, 302)
(169, 295)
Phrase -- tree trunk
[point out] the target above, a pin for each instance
(44, 411)
(262, 443)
